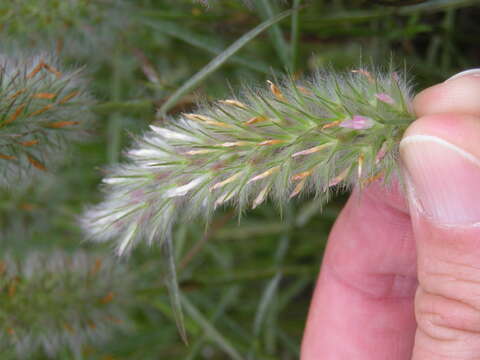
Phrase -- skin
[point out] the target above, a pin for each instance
(400, 278)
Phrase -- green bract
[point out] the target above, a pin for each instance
(297, 138)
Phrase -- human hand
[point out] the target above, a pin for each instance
(400, 278)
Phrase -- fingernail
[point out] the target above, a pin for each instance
(445, 179)
(472, 72)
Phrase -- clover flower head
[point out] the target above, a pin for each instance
(79, 298)
(42, 109)
(295, 138)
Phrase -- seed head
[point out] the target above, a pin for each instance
(290, 139)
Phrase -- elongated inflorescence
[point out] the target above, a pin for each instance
(295, 138)
(56, 301)
(42, 109)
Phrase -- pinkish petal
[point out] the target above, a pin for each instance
(387, 99)
(358, 122)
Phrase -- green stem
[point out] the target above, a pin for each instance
(114, 124)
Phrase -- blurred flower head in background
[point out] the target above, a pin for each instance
(43, 108)
(56, 300)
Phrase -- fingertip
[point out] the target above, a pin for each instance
(441, 156)
(460, 94)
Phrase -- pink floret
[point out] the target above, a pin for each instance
(358, 122)
(385, 98)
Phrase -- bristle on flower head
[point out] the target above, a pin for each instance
(293, 138)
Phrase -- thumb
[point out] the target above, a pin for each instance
(441, 155)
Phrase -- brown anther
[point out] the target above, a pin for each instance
(36, 69)
(198, 117)
(276, 91)
(264, 174)
(42, 110)
(331, 124)
(96, 267)
(29, 143)
(255, 119)
(365, 73)
(311, 150)
(260, 197)
(10, 331)
(304, 90)
(17, 93)
(373, 178)
(27, 206)
(302, 175)
(298, 188)
(54, 71)
(14, 116)
(7, 157)
(220, 200)
(232, 102)
(47, 96)
(107, 298)
(36, 163)
(218, 123)
(225, 182)
(61, 124)
(234, 143)
(271, 142)
(68, 97)
(339, 178)
(207, 120)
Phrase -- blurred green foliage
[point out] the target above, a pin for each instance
(245, 287)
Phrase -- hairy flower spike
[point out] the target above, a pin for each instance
(76, 296)
(290, 139)
(42, 110)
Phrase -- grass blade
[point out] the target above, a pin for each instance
(204, 43)
(276, 35)
(220, 60)
(267, 298)
(209, 329)
(173, 289)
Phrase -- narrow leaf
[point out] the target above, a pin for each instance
(218, 61)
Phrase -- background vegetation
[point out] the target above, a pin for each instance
(245, 287)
